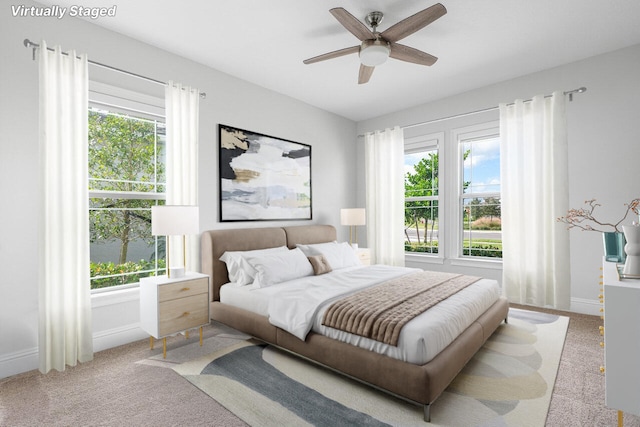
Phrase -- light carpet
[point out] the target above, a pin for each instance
(507, 383)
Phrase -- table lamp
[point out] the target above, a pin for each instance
(352, 217)
(175, 220)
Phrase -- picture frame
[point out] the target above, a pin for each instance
(262, 177)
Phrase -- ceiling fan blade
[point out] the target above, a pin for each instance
(365, 74)
(409, 54)
(334, 54)
(410, 25)
(352, 24)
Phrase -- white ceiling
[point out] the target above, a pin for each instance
(477, 42)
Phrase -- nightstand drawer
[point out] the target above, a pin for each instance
(364, 255)
(183, 313)
(183, 289)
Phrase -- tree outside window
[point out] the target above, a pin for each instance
(421, 202)
(467, 224)
(126, 178)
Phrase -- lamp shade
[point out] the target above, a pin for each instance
(355, 216)
(174, 220)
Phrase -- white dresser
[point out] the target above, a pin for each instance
(621, 341)
(169, 305)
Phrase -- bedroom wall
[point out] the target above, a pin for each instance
(604, 146)
(229, 101)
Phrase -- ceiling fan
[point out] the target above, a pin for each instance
(377, 47)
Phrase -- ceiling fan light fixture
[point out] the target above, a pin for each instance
(374, 52)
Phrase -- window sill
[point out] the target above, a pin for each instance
(478, 263)
(103, 299)
(423, 258)
(461, 262)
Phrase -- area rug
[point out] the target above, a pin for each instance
(507, 383)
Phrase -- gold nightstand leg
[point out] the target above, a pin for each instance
(151, 343)
(164, 348)
(186, 334)
(620, 418)
(200, 336)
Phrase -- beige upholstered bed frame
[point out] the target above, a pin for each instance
(421, 384)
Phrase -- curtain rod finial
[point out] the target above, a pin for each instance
(29, 44)
(571, 92)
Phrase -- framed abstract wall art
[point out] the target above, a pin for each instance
(263, 178)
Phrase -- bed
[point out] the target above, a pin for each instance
(411, 380)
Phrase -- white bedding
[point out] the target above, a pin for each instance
(298, 306)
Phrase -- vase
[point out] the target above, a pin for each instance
(632, 249)
(614, 242)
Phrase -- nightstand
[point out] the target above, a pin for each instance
(364, 255)
(169, 306)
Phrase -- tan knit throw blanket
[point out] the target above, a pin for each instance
(381, 311)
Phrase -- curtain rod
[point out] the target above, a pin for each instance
(29, 44)
(484, 110)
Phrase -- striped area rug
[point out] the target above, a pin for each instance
(507, 383)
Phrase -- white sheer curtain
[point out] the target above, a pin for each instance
(65, 329)
(384, 160)
(534, 162)
(182, 112)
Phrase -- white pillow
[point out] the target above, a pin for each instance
(241, 273)
(339, 255)
(280, 267)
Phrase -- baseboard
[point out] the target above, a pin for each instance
(586, 306)
(118, 336)
(18, 362)
(28, 360)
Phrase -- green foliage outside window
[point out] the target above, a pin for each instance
(421, 213)
(107, 274)
(125, 161)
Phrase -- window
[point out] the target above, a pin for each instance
(421, 184)
(126, 177)
(480, 230)
(452, 195)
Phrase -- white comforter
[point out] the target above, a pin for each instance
(298, 306)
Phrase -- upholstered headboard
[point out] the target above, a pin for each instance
(216, 242)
